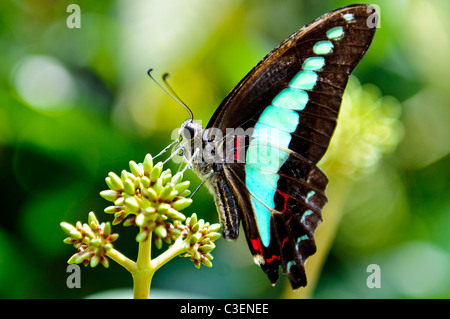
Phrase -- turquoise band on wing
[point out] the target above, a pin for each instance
(304, 80)
(315, 63)
(291, 98)
(323, 47)
(335, 33)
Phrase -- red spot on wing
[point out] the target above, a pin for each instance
(239, 149)
(256, 244)
(269, 260)
(285, 198)
(285, 240)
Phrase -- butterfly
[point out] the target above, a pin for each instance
(259, 151)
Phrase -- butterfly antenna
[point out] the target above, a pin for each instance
(172, 94)
(164, 78)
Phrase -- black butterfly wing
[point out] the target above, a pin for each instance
(316, 60)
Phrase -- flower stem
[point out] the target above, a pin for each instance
(144, 253)
(122, 260)
(177, 248)
(142, 279)
(142, 276)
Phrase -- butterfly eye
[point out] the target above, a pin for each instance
(188, 131)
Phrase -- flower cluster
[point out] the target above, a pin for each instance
(146, 197)
(92, 240)
(200, 237)
(151, 199)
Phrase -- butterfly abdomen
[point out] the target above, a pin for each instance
(226, 203)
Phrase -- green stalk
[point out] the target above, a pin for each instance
(174, 250)
(142, 279)
(142, 276)
(119, 258)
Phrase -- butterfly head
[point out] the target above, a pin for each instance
(189, 129)
(192, 143)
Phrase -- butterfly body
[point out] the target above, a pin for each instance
(260, 149)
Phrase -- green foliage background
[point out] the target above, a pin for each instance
(77, 103)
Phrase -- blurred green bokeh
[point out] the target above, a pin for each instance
(77, 103)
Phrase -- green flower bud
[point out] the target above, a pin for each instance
(182, 203)
(136, 169)
(148, 164)
(166, 176)
(145, 181)
(166, 193)
(104, 261)
(181, 187)
(172, 196)
(158, 242)
(158, 186)
(195, 228)
(161, 231)
(175, 215)
(68, 240)
(192, 240)
(89, 232)
(206, 262)
(163, 208)
(110, 195)
(141, 236)
(193, 220)
(177, 178)
(207, 248)
(73, 259)
(149, 210)
(129, 187)
(113, 237)
(92, 219)
(152, 194)
(114, 182)
(75, 234)
(206, 241)
(140, 220)
(118, 217)
(132, 204)
(201, 223)
(137, 183)
(107, 229)
(94, 261)
(120, 201)
(186, 193)
(213, 236)
(67, 228)
(96, 242)
(208, 256)
(113, 209)
(175, 232)
(214, 227)
(129, 222)
(126, 175)
(156, 172)
(81, 257)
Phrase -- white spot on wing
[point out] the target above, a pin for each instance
(259, 260)
(349, 17)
